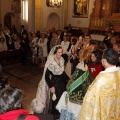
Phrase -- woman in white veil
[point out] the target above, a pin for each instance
(53, 82)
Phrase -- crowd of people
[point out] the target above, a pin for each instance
(78, 76)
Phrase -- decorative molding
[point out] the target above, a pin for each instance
(102, 15)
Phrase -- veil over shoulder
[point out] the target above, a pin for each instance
(43, 92)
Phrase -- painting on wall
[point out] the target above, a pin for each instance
(80, 8)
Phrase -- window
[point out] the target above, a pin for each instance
(25, 10)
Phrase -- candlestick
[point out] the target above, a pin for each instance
(98, 22)
(95, 22)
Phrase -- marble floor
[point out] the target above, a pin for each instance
(25, 77)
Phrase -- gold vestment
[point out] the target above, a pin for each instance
(102, 100)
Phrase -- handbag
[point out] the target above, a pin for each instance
(66, 115)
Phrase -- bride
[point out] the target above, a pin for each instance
(52, 84)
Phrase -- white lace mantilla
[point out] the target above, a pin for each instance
(43, 94)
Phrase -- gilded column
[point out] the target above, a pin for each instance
(97, 11)
(65, 9)
(109, 6)
(38, 15)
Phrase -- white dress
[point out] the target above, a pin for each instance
(72, 107)
(44, 46)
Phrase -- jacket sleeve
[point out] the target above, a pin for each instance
(48, 75)
(32, 117)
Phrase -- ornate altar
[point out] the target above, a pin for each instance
(105, 16)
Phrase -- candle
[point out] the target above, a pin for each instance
(101, 22)
(98, 22)
(95, 22)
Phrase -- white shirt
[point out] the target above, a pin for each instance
(65, 46)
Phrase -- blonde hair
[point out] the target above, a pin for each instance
(84, 54)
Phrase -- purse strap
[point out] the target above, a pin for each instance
(22, 117)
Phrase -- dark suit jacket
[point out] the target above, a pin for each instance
(42, 116)
(48, 43)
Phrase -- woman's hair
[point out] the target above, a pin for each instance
(67, 37)
(74, 41)
(98, 56)
(84, 55)
(111, 56)
(10, 99)
(56, 49)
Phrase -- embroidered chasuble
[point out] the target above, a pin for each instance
(77, 85)
(102, 100)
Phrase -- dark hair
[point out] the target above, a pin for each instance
(88, 35)
(67, 37)
(3, 82)
(56, 49)
(111, 56)
(22, 26)
(74, 41)
(10, 99)
(98, 56)
(56, 33)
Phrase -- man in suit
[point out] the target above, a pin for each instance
(23, 30)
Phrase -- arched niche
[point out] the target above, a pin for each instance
(8, 19)
(53, 20)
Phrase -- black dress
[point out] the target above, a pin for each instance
(59, 82)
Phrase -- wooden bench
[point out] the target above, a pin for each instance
(10, 56)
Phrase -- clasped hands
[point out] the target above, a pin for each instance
(52, 90)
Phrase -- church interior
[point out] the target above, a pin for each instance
(80, 17)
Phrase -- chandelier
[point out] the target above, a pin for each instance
(55, 3)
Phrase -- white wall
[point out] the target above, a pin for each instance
(5, 7)
(79, 22)
(48, 10)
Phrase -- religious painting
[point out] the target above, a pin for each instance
(80, 8)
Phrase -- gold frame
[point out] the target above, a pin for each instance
(80, 8)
